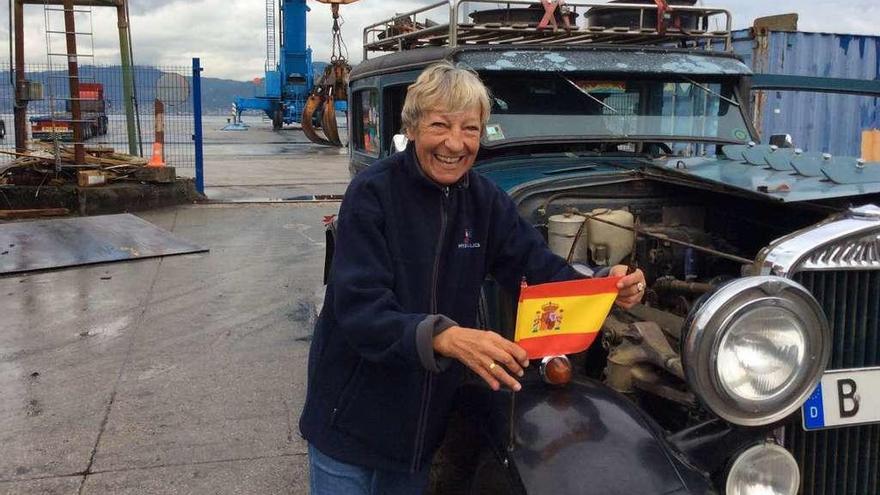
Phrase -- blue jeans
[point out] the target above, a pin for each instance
(331, 477)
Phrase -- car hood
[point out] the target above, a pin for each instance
(513, 173)
(783, 175)
(813, 178)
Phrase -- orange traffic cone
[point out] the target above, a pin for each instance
(158, 158)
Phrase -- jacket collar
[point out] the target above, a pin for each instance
(414, 170)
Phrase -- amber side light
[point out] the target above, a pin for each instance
(556, 370)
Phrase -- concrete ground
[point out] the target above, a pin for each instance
(182, 374)
(284, 165)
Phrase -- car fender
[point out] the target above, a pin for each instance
(585, 438)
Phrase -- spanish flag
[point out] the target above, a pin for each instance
(563, 317)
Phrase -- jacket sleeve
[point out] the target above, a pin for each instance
(518, 250)
(366, 308)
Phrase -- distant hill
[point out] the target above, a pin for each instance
(217, 94)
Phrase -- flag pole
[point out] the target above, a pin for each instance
(511, 442)
(511, 439)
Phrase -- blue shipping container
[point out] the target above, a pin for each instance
(831, 123)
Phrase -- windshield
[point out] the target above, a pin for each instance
(535, 106)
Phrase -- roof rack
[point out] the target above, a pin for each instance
(640, 24)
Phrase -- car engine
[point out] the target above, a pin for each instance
(688, 242)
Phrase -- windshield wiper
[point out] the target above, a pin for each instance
(597, 100)
(709, 90)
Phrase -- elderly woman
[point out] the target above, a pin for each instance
(418, 233)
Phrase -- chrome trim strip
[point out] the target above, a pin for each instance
(858, 254)
(850, 241)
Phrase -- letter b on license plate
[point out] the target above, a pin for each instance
(844, 397)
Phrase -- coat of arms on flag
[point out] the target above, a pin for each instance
(549, 318)
(563, 317)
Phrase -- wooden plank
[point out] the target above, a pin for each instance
(163, 175)
(105, 157)
(573, 39)
(25, 155)
(33, 213)
(90, 178)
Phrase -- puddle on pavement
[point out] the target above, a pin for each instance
(108, 330)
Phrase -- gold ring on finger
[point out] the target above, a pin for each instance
(640, 286)
(492, 366)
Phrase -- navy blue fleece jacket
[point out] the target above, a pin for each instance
(410, 258)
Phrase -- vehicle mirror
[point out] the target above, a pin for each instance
(399, 142)
(782, 140)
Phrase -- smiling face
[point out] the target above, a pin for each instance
(447, 143)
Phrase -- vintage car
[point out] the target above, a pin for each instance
(751, 367)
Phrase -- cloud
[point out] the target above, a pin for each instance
(827, 16)
(229, 35)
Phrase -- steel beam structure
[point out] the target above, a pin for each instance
(127, 79)
(79, 150)
(21, 102)
(785, 82)
(92, 3)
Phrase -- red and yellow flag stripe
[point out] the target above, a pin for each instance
(563, 317)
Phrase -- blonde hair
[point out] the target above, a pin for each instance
(445, 87)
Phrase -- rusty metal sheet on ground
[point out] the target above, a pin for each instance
(68, 242)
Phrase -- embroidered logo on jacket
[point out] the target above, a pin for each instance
(468, 241)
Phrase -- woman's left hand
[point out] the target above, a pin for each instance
(630, 288)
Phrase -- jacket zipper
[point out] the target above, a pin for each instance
(429, 377)
(436, 274)
(346, 391)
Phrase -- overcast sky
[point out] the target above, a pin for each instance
(229, 35)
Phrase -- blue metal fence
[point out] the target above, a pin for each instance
(197, 125)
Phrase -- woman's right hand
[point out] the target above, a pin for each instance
(488, 354)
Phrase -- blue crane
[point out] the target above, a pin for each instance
(290, 92)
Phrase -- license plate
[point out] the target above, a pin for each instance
(842, 398)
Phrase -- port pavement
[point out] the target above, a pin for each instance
(182, 374)
(260, 164)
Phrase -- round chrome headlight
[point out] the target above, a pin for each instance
(765, 469)
(755, 349)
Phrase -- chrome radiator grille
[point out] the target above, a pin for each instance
(844, 461)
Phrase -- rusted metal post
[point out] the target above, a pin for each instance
(158, 158)
(453, 23)
(20, 102)
(760, 62)
(127, 78)
(79, 151)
